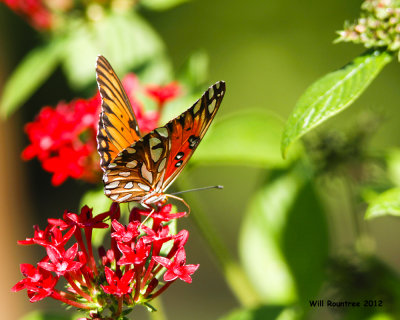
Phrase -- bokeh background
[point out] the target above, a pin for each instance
(268, 52)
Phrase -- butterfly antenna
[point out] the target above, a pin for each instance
(181, 200)
(198, 189)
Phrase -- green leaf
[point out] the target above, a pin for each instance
(332, 94)
(393, 165)
(80, 57)
(283, 224)
(126, 40)
(97, 200)
(306, 229)
(381, 316)
(243, 138)
(29, 75)
(161, 4)
(258, 313)
(386, 203)
(195, 71)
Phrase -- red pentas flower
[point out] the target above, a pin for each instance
(35, 11)
(117, 286)
(163, 93)
(177, 267)
(63, 138)
(110, 285)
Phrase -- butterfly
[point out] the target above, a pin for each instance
(140, 167)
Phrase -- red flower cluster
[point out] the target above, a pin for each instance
(129, 271)
(64, 138)
(161, 94)
(35, 11)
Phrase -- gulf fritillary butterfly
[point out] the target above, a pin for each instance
(141, 168)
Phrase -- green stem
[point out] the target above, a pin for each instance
(233, 272)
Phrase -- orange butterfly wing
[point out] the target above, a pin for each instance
(187, 130)
(118, 127)
(144, 170)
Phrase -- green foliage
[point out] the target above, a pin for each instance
(96, 199)
(332, 94)
(244, 138)
(386, 203)
(127, 40)
(161, 4)
(30, 74)
(393, 165)
(283, 224)
(195, 71)
(259, 313)
(41, 315)
(381, 316)
(124, 39)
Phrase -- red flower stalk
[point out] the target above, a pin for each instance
(64, 138)
(125, 275)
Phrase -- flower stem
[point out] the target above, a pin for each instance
(162, 289)
(58, 295)
(76, 288)
(234, 274)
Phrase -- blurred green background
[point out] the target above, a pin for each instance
(268, 52)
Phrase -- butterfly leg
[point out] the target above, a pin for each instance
(149, 215)
(181, 200)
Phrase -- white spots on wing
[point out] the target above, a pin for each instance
(210, 93)
(154, 141)
(130, 150)
(129, 185)
(112, 165)
(143, 187)
(163, 132)
(131, 164)
(125, 197)
(124, 173)
(146, 174)
(112, 185)
(222, 93)
(217, 85)
(197, 107)
(114, 197)
(155, 153)
(105, 178)
(107, 192)
(211, 106)
(161, 166)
